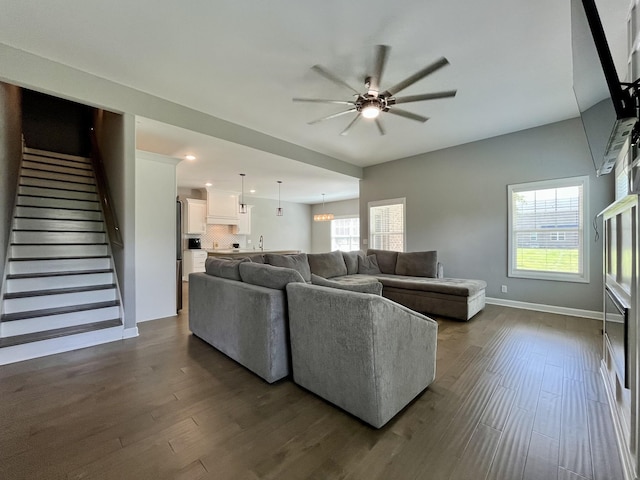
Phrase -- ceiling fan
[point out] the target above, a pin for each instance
(371, 103)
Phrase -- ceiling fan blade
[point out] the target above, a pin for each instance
(382, 52)
(424, 96)
(380, 127)
(409, 115)
(330, 76)
(438, 64)
(351, 124)
(320, 100)
(332, 116)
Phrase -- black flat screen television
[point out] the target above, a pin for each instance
(607, 108)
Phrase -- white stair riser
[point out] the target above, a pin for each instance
(61, 194)
(55, 213)
(38, 182)
(58, 203)
(63, 281)
(58, 237)
(14, 305)
(45, 153)
(63, 265)
(51, 322)
(57, 225)
(45, 167)
(62, 177)
(58, 161)
(30, 251)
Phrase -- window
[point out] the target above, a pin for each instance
(387, 224)
(547, 234)
(345, 234)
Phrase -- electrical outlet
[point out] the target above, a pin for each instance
(365, 241)
(504, 289)
(248, 241)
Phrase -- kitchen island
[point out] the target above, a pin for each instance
(244, 252)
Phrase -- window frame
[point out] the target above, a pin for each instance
(388, 202)
(512, 271)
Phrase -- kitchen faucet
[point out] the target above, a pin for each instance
(261, 243)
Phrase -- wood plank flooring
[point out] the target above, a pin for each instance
(517, 396)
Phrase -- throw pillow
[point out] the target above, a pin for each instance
(327, 265)
(371, 287)
(351, 261)
(418, 264)
(368, 265)
(298, 262)
(268, 276)
(386, 259)
(225, 268)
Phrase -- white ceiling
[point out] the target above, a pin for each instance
(243, 61)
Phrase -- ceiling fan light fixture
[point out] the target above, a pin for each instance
(371, 111)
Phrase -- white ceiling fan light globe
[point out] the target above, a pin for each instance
(370, 111)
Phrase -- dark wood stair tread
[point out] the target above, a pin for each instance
(66, 273)
(55, 171)
(30, 195)
(58, 332)
(57, 219)
(39, 259)
(59, 291)
(61, 188)
(46, 312)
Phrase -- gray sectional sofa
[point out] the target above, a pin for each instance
(322, 317)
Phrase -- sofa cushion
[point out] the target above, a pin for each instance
(268, 275)
(370, 286)
(450, 286)
(368, 265)
(225, 268)
(351, 261)
(327, 265)
(256, 258)
(417, 264)
(298, 262)
(386, 259)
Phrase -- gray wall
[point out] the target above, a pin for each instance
(321, 231)
(10, 156)
(457, 205)
(289, 232)
(116, 139)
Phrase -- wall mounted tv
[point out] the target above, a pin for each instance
(607, 107)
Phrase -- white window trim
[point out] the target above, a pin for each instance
(391, 201)
(541, 185)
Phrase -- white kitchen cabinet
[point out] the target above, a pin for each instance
(244, 223)
(193, 262)
(196, 217)
(222, 207)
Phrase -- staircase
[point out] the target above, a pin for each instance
(60, 290)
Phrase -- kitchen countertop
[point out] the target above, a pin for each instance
(244, 251)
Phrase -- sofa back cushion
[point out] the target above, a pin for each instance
(268, 276)
(298, 262)
(351, 261)
(225, 268)
(417, 264)
(386, 260)
(327, 265)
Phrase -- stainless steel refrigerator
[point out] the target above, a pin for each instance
(178, 255)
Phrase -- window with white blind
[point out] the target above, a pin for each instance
(547, 230)
(345, 234)
(387, 224)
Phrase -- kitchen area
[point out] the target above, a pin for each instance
(211, 223)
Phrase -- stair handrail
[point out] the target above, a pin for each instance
(110, 219)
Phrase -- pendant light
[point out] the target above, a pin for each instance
(323, 217)
(279, 209)
(243, 206)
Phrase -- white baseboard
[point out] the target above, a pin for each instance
(572, 312)
(130, 332)
(27, 351)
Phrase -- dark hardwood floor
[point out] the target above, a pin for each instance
(517, 395)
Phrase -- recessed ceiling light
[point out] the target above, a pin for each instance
(252, 191)
(190, 157)
(208, 184)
